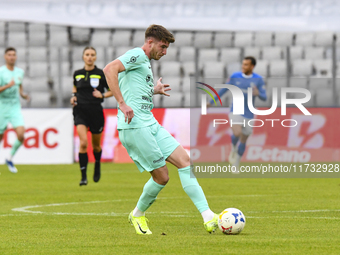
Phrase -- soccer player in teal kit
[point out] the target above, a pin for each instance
(10, 108)
(130, 79)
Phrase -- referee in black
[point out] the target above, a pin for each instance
(87, 95)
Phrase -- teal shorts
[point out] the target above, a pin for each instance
(10, 114)
(148, 147)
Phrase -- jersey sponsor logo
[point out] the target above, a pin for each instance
(148, 78)
(158, 160)
(147, 99)
(146, 107)
(133, 59)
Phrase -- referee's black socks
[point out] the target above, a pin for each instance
(96, 174)
(83, 160)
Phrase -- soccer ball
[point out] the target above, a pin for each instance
(231, 221)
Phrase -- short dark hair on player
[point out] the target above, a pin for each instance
(252, 60)
(160, 33)
(89, 48)
(10, 49)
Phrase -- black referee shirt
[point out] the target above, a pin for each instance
(86, 82)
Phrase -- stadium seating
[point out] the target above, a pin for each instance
(325, 97)
(203, 40)
(261, 68)
(230, 55)
(183, 39)
(300, 82)
(304, 39)
(324, 39)
(319, 83)
(187, 54)
(219, 54)
(37, 36)
(58, 36)
(302, 67)
(263, 39)
(174, 82)
(278, 68)
(138, 38)
(296, 52)
(171, 54)
(323, 67)
(121, 38)
(272, 53)
(314, 53)
(223, 40)
(174, 101)
(252, 51)
(170, 68)
(243, 39)
(283, 39)
(205, 55)
(101, 38)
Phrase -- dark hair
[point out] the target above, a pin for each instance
(10, 49)
(89, 48)
(160, 33)
(252, 60)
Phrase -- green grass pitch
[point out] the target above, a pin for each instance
(44, 211)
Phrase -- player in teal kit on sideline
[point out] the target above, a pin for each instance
(130, 79)
(10, 108)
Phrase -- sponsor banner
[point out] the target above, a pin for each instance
(293, 137)
(48, 138)
(253, 153)
(232, 15)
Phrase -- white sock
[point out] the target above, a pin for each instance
(207, 215)
(238, 160)
(10, 158)
(233, 147)
(137, 212)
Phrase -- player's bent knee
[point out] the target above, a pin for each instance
(21, 138)
(83, 145)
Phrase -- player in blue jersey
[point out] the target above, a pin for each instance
(243, 80)
(10, 108)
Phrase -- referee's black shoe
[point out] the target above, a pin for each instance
(96, 174)
(83, 182)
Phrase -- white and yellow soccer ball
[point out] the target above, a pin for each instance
(231, 221)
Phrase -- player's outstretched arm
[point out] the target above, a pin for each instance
(161, 88)
(111, 72)
(2, 88)
(24, 95)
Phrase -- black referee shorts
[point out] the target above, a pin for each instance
(92, 116)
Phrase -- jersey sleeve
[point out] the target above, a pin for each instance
(131, 59)
(262, 90)
(74, 79)
(104, 82)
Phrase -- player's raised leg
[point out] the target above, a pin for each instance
(83, 157)
(97, 153)
(18, 142)
(180, 158)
